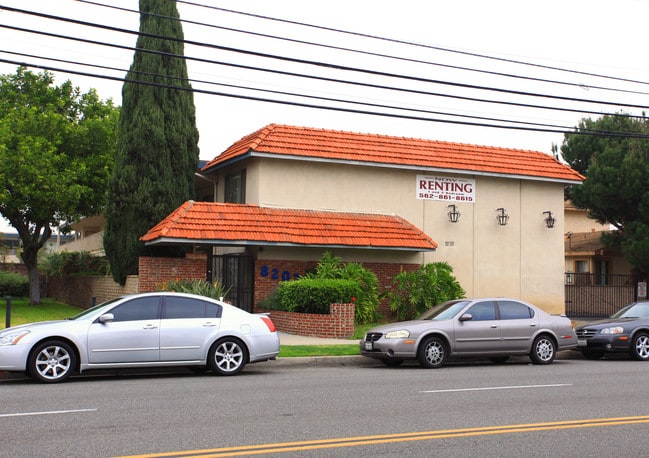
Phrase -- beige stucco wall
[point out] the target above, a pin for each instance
(523, 259)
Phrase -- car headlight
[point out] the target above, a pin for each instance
(401, 334)
(12, 338)
(613, 330)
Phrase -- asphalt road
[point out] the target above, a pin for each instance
(573, 407)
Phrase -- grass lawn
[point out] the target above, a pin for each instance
(22, 312)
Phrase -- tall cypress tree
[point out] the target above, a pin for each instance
(157, 149)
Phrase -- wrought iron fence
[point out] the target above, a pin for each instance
(597, 295)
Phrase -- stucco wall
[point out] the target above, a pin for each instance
(523, 259)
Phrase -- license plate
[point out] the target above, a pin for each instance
(369, 346)
(581, 343)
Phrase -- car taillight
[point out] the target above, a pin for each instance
(269, 323)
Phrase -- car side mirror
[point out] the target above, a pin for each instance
(106, 318)
(466, 317)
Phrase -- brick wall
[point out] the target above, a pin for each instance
(268, 273)
(338, 324)
(79, 291)
(155, 271)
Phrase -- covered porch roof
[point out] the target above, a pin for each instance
(225, 224)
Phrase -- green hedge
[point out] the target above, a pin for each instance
(13, 284)
(314, 295)
(74, 263)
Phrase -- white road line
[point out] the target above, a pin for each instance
(52, 412)
(498, 388)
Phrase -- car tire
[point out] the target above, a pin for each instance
(432, 353)
(544, 350)
(640, 347)
(227, 356)
(392, 362)
(51, 361)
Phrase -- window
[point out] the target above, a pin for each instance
(142, 308)
(510, 310)
(235, 188)
(183, 307)
(483, 311)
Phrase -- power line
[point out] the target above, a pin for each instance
(331, 108)
(328, 65)
(318, 78)
(358, 51)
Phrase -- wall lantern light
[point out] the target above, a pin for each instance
(502, 217)
(453, 214)
(549, 220)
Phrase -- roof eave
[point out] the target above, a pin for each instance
(253, 153)
(216, 242)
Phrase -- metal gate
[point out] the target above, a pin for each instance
(236, 274)
(597, 295)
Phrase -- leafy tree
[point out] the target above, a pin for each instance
(415, 292)
(56, 153)
(616, 189)
(157, 151)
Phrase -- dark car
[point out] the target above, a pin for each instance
(626, 331)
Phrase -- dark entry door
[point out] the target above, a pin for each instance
(236, 273)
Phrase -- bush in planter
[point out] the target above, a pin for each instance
(415, 292)
(13, 284)
(367, 299)
(314, 295)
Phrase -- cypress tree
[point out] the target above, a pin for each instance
(157, 146)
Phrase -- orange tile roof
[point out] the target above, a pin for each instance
(237, 224)
(308, 143)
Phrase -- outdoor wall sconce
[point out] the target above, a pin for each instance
(502, 217)
(549, 220)
(453, 214)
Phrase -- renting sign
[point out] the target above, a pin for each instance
(446, 189)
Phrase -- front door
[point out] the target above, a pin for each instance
(132, 336)
(480, 334)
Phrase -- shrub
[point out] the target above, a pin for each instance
(367, 298)
(314, 295)
(195, 286)
(13, 284)
(415, 292)
(74, 263)
(271, 302)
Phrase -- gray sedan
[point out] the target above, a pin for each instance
(141, 330)
(494, 328)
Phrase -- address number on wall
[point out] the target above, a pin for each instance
(275, 274)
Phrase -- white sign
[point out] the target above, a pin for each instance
(446, 189)
(642, 290)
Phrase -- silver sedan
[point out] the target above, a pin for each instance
(494, 328)
(141, 330)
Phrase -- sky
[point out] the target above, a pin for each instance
(469, 61)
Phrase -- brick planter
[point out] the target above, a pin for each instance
(338, 324)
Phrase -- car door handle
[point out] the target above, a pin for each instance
(209, 324)
(533, 325)
(149, 326)
(494, 326)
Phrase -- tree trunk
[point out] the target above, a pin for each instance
(30, 258)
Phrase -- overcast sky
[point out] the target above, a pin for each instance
(562, 42)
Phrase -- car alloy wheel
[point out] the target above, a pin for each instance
(51, 362)
(640, 347)
(432, 353)
(543, 350)
(228, 356)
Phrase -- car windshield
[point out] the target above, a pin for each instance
(91, 310)
(443, 311)
(635, 310)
